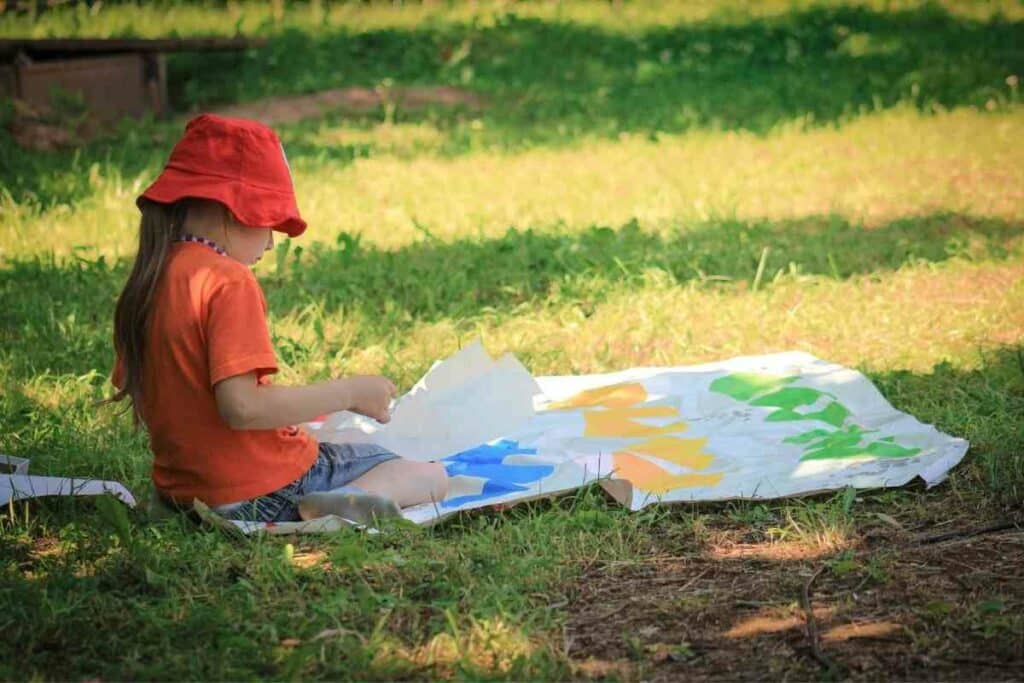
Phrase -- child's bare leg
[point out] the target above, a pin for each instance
(406, 482)
(380, 493)
(348, 502)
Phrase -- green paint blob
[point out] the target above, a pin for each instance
(884, 448)
(769, 391)
(784, 415)
(835, 414)
(842, 443)
(743, 386)
(789, 398)
(806, 436)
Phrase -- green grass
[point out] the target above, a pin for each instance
(608, 209)
(559, 80)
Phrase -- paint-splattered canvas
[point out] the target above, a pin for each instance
(754, 427)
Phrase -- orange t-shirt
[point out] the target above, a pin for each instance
(209, 323)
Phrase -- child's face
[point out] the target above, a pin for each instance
(248, 244)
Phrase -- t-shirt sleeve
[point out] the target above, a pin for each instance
(237, 337)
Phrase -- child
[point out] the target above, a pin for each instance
(193, 354)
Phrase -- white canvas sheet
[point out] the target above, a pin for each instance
(18, 484)
(466, 400)
(755, 427)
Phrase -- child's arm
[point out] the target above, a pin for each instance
(244, 403)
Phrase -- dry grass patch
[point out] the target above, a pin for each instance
(909, 319)
(487, 645)
(248, 17)
(274, 111)
(874, 169)
(894, 164)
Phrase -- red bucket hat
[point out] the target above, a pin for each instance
(237, 162)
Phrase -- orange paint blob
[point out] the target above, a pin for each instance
(684, 452)
(620, 422)
(613, 396)
(650, 478)
(617, 415)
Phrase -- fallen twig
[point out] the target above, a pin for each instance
(657, 559)
(977, 661)
(334, 632)
(998, 577)
(959, 580)
(757, 604)
(812, 624)
(672, 579)
(966, 533)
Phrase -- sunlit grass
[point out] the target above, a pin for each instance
(876, 168)
(873, 169)
(158, 19)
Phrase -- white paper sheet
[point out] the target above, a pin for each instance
(462, 401)
(18, 484)
(755, 427)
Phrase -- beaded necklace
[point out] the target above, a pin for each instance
(189, 237)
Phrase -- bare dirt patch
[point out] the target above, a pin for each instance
(889, 605)
(49, 129)
(45, 129)
(275, 110)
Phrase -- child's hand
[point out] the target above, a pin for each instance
(370, 395)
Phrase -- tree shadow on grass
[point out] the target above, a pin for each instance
(726, 602)
(984, 405)
(552, 79)
(65, 434)
(55, 314)
(551, 83)
(431, 280)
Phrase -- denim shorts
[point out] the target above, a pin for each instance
(336, 465)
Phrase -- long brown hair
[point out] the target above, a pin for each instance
(159, 227)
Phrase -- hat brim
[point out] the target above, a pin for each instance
(271, 208)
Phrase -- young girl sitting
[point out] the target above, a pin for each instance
(194, 356)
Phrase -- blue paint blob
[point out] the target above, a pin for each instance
(487, 462)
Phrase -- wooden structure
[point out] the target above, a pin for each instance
(115, 77)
